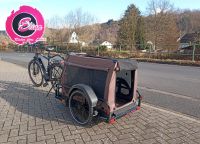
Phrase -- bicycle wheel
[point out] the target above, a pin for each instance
(80, 108)
(35, 73)
(55, 70)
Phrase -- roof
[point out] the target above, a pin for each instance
(106, 43)
(189, 37)
(101, 63)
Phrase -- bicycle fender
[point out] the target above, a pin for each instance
(88, 91)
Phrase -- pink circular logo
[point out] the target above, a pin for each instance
(25, 25)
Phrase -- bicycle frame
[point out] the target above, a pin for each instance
(45, 71)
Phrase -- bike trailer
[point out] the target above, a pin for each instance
(96, 86)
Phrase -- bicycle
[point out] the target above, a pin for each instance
(52, 73)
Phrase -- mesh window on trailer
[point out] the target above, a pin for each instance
(96, 79)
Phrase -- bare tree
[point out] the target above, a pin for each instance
(78, 18)
(56, 29)
(60, 29)
(189, 21)
(161, 24)
(159, 6)
(77, 21)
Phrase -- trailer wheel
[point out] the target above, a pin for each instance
(80, 107)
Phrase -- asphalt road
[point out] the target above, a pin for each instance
(173, 87)
(17, 58)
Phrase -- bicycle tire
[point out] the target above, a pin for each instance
(35, 63)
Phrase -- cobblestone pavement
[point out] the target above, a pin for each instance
(27, 116)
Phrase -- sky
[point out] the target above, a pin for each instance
(103, 10)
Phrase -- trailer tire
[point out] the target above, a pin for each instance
(80, 107)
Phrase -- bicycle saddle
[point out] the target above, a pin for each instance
(49, 48)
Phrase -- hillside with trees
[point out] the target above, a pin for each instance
(161, 26)
(91, 34)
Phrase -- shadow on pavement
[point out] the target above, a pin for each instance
(33, 102)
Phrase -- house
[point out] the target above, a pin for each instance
(188, 39)
(151, 46)
(75, 40)
(107, 44)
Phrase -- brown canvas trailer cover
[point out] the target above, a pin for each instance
(113, 82)
(101, 63)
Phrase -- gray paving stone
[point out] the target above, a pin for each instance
(85, 137)
(77, 136)
(21, 141)
(3, 138)
(14, 132)
(59, 137)
(51, 141)
(31, 138)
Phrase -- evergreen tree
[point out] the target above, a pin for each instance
(140, 34)
(130, 31)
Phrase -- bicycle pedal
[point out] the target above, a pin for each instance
(45, 84)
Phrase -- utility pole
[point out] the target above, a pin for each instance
(196, 42)
(193, 52)
(98, 43)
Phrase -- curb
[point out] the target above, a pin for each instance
(180, 63)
